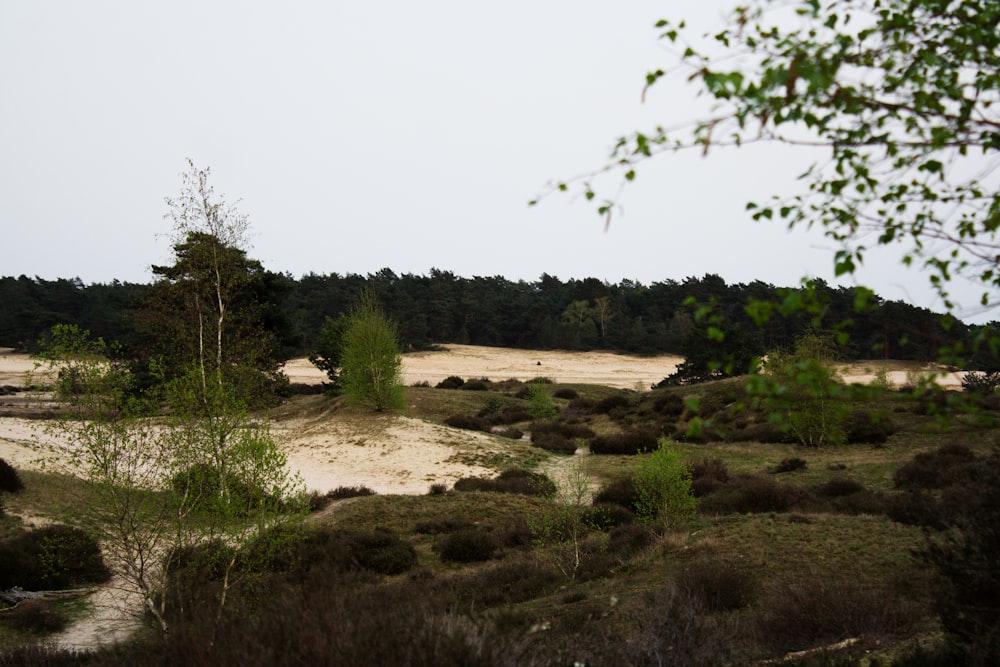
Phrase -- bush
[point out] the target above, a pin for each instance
(509, 432)
(627, 443)
(668, 404)
(748, 494)
(505, 584)
(10, 481)
(342, 492)
(476, 385)
(619, 492)
(540, 405)
(839, 487)
(981, 382)
(790, 465)
(936, 469)
(515, 480)
(566, 393)
(450, 382)
(553, 442)
(717, 586)
(471, 545)
(35, 617)
(612, 403)
(52, 557)
(868, 428)
(438, 489)
(467, 422)
(605, 516)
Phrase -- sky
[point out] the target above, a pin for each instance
(358, 136)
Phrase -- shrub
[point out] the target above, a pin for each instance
(476, 385)
(511, 415)
(630, 442)
(471, 545)
(715, 468)
(839, 487)
(868, 428)
(35, 617)
(566, 393)
(450, 382)
(10, 481)
(515, 480)
(467, 422)
(668, 404)
(540, 405)
(441, 526)
(342, 492)
(663, 489)
(605, 516)
(612, 402)
(620, 491)
(505, 584)
(717, 586)
(583, 405)
(553, 442)
(52, 557)
(790, 465)
(438, 489)
(380, 551)
(509, 432)
(936, 469)
(981, 382)
(748, 494)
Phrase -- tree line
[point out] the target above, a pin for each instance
(548, 313)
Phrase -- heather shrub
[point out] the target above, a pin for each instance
(868, 428)
(609, 404)
(441, 526)
(10, 481)
(750, 494)
(34, 617)
(620, 491)
(717, 586)
(790, 465)
(553, 442)
(668, 404)
(714, 468)
(467, 422)
(981, 382)
(916, 507)
(438, 489)
(450, 382)
(509, 432)
(510, 415)
(469, 545)
(826, 607)
(583, 405)
(936, 469)
(605, 516)
(566, 393)
(629, 539)
(342, 492)
(629, 442)
(53, 557)
(838, 487)
(514, 480)
(512, 581)
(476, 385)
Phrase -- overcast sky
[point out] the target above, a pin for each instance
(365, 135)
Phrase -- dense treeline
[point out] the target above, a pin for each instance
(544, 314)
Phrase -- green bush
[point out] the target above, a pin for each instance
(663, 489)
(52, 557)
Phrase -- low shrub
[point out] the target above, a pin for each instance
(438, 489)
(450, 382)
(509, 432)
(668, 404)
(717, 586)
(714, 468)
(868, 428)
(628, 443)
(467, 422)
(750, 494)
(605, 516)
(476, 385)
(342, 492)
(53, 557)
(441, 526)
(515, 480)
(793, 464)
(936, 469)
(620, 491)
(566, 393)
(611, 403)
(10, 481)
(510, 415)
(629, 539)
(839, 487)
(553, 442)
(34, 617)
(469, 545)
(584, 405)
(511, 582)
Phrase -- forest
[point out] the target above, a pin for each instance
(664, 317)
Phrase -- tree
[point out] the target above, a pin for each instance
(213, 309)
(901, 97)
(663, 489)
(371, 363)
(327, 350)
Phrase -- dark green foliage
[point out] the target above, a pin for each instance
(380, 551)
(52, 557)
(10, 481)
(202, 485)
(566, 392)
(467, 422)
(981, 382)
(717, 586)
(35, 617)
(630, 442)
(469, 545)
(515, 480)
(790, 465)
(477, 385)
(450, 382)
(356, 491)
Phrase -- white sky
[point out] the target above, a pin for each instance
(365, 135)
